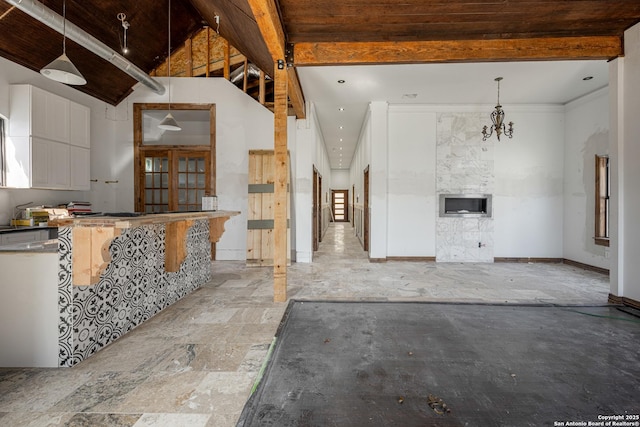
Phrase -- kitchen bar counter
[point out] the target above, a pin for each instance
(113, 273)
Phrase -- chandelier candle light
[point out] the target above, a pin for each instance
(497, 117)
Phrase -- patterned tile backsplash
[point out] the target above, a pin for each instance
(464, 165)
(132, 289)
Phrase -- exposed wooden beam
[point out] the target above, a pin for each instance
(296, 96)
(268, 19)
(189, 60)
(280, 241)
(227, 61)
(559, 48)
(262, 87)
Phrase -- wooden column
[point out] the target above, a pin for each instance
(280, 189)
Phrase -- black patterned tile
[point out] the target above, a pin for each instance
(131, 290)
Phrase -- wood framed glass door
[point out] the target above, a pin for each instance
(175, 180)
(339, 205)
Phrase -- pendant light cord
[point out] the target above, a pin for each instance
(169, 54)
(64, 27)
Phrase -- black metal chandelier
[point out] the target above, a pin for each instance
(497, 117)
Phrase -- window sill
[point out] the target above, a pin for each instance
(601, 241)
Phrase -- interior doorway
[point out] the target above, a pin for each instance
(340, 205)
(365, 210)
(316, 210)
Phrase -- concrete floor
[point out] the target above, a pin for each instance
(194, 363)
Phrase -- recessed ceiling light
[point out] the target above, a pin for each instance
(340, 81)
(410, 96)
(587, 78)
(341, 109)
(341, 127)
(341, 148)
(340, 139)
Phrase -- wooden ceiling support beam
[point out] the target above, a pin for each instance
(268, 20)
(281, 178)
(559, 48)
(296, 97)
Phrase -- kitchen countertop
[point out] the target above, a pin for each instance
(128, 220)
(43, 246)
(13, 229)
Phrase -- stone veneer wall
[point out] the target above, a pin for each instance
(464, 165)
(132, 289)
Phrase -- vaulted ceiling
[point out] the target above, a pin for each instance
(325, 32)
(322, 33)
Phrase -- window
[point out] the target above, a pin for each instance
(603, 188)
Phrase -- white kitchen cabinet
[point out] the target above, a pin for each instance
(80, 168)
(50, 164)
(49, 141)
(35, 112)
(79, 130)
(29, 311)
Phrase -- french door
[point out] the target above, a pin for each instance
(174, 180)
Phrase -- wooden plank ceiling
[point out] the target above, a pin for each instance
(326, 32)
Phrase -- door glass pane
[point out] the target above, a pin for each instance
(156, 184)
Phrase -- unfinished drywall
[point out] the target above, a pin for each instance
(586, 135)
(412, 185)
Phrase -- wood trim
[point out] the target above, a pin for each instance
(525, 260)
(412, 258)
(631, 302)
(139, 148)
(614, 299)
(175, 245)
(585, 266)
(601, 241)
(558, 48)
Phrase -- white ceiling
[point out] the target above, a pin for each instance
(556, 82)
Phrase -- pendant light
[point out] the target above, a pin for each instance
(62, 69)
(169, 123)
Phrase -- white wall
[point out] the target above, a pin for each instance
(528, 199)
(102, 126)
(310, 152)
(628, 155)
(242, 124)
(412, 182)
(587, 135)
(340, 180)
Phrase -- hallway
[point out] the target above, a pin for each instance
(195, 362)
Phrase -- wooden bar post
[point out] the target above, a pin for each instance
(281, 106)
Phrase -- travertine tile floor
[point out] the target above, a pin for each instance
(194, 363)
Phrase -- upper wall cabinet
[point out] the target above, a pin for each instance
(49, 141)
(35, 112)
